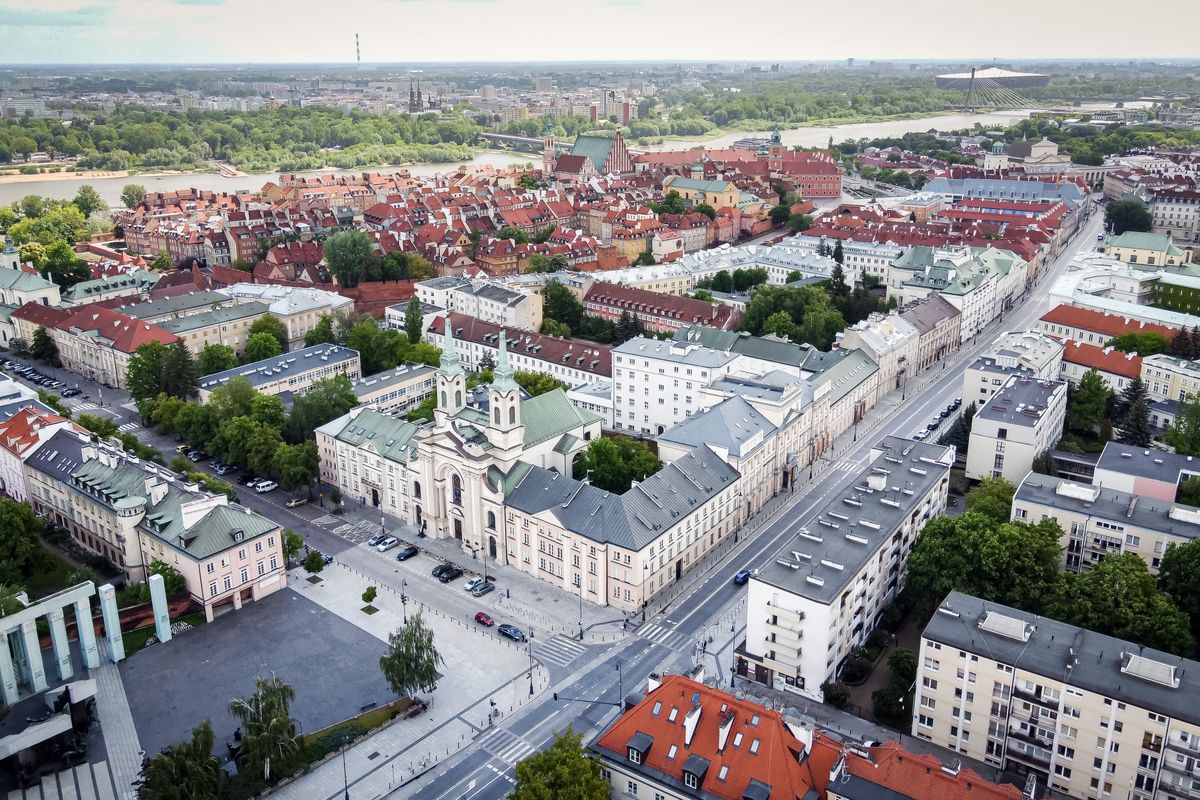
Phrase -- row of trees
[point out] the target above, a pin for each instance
(378, 347)
(613, 463)
(985, 554)
(270, 747)
(563, 315)
(44, 231)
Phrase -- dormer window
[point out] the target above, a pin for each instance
(690, 780)
(638, 746)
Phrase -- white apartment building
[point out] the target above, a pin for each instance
(1098, 521)
(656, 383)
(891, 342)
(860, 258)
(1016, 425)
(796, 254)
(1089, 715)
(1170, 377)
(1176, 212)
(1029, 353)
(824, 591)
(483, 300)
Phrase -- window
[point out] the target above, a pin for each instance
(631, 788)
(211, 568)
(690, 781)
(924, 721)
(635, 756)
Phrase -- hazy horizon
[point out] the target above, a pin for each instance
(402, 32)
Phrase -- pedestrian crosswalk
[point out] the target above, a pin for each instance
(127, 427)
(505, 745)
(84, 406)
(662, 634)
(847, 465)
(559, 650)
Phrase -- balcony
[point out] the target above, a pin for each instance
(1035, 697)
(1034, 760)
(1032, 734)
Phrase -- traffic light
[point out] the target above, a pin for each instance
(556, 697)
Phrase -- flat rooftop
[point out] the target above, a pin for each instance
(1022, 401)
(283, 366)
(1110, 504)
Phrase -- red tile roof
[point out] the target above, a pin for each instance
(38, 314)
(1110, 325)
(19, 433)
(126, 333)
(922, 776)
(647, 304)
(577, 354)
(1104, 359)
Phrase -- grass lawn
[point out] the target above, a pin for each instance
(136, 640)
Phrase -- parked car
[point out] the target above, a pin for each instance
(742, 577)
(70, 392)
(512, 632)
(196, 455)
(387, 544)
(450, 574)
(262, 487)
(920, 436)
(483, 619)
(182, 448)
(296, 502)
(483, 588)
(376, 539)
(440, 568)
(223, 469)
(945, 413)
(933, 425)
(472, 584)
(957, 402)
(248, 479)
(406, 552)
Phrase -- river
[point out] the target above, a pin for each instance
(110, 188)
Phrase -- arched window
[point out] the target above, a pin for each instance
(457, 398)
(456, 489)
(417, 489)
(491, 520)
(512, 415)
(443, 399)
(496, 415)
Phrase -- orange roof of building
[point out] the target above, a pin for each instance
(1103, 359)
(922, 777)
(19, 433)
(1102, 322)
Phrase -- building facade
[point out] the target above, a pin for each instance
(657, 384)
(1016, 425)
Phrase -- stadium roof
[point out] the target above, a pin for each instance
(991, 73)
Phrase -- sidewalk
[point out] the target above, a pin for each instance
(480, 668)
(116, 721)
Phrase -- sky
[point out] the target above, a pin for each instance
(318, 31)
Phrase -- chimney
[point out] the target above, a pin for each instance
(723, 731)
(653, 682)
(690, 721)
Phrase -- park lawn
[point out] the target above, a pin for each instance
(136, 640)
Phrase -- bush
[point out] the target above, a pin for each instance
(857, 665)
(369, 595)
(836, 694)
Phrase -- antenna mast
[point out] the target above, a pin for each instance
(357, 52)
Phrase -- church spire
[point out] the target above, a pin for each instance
(449, 363)
(502, 375)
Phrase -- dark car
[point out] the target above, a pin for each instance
(247, 478)
(944, 414)
(440, 568)
(483, 588)
(70, 392)
(933, 425)
(375, 540)
(406, 552)
(512, 632)
(197, 455)
(450, 574)
(742, 578)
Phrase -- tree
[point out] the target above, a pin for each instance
(347, 254)
(1186, 344)
(144, 374)
(1118, 596)
(537, 382)
(1189, 492)
(411, 661)
(216, 358)
(705, 209)
(268, 730)
(993, 498)
(292, 544)
(644, 259)
(553, 328)
(779, 215)
(314, 562)
(563, 771)
(88, 200)
(321, 333)
(837, 281)
(1135, 429)
(103, 427)
(62, 266)
(1127, 215)
(780, 324)
(798, 223)
(132, 194)
(1144, 344)
(612, 463)
(486, 362)
(369, 594)
(413, 320)
(267, 410)
(893, 703)
(261, 346)
(561, 305)
(162, 262)
(20, 552)
(269, 323)
(1179, 577)
(1184, 433)
(185, 770)
(1013, 563)
(179, 372)
(43, 348)
(1088, 401)
(839, 255)
(262, 447)
(423, 411)
(33, 253)
(234, 398)
(325, 400)
(297, 464)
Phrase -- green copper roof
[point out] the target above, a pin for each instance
(1139, 240)
(699, 185)
(388, 436)
(596, 148)
(550, 415)
(502, 375)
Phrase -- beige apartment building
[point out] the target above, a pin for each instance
(1016, 425)
(1098, 521)
(201, 318)
(938, 324)
(1087, 714)
(892, 342)
(1170, 377)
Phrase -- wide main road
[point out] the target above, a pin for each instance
(486, 771)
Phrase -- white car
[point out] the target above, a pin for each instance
(262, 487)
(474, 584)
(387, 544)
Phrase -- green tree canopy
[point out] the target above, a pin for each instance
(321, 333)
(216, 358)
(297, 464)
(325, 400)
(411, 662)
(180, 374)
(1118, 596)
(413, 320)
(1144, 344)
(132, 194)
(43, 347)
(537, 382)
(185, 770)
(993, 498)
(562, 771)
(269, 323)
(261, 346)
(612, 463)
(1179, 578)
(1088, 401)
(347, 254)
(144, 374)
(88, 200)
(61, 266)
(20, 551)
(1127, 215)
(560, 304)
(1184, 433)
(268, 729)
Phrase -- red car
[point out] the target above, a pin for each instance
(483, 619)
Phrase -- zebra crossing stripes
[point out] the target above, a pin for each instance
(559, 650)
(127, 427)
(84, 406)
(505, 745)
(660, 634)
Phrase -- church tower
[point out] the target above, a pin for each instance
(776, 150)
(548, 150)
(451, 381)
(506, 431)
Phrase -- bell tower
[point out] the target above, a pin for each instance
(451, 380)
(506, 431)
(548, 150)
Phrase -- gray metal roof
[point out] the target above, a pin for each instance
(1158, 465)
(405, 373)
(60, 455)
(282, 366)
(730, 425)
(679, 352)
(905, 471)
(174, 305)
(1022, 401)
(632, 520)
(1091, 661)
(1109, 504)
(214, 316)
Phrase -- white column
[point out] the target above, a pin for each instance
(8, 675)
(162, 616)
(112, 622)
(87, 633)
(33, 654)
(60, 645)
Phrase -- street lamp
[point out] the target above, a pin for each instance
(345, 778)
(404, 599)
(530, 640)
(580, 608)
